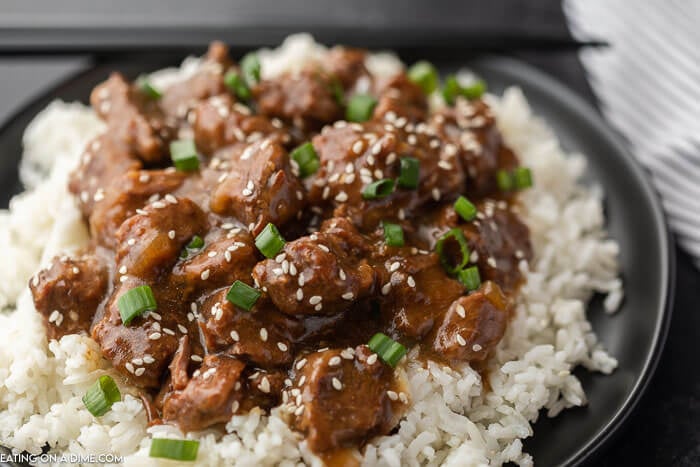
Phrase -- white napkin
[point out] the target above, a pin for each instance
(648, 86)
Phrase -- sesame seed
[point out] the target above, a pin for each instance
(300, 364)
(491, 261)
(315, 300)
(394, 266)
(337, 385)
(282, 346)
(263, 334)
(76, 270)
(461, 340)
(211, 254)
(300, 293)
(403, 397)
(299, 411)
(170, 332)
(342, 275)
(386, 288)
(234, 335)
(123, 278)
(182, 328)
(372, 359)
(139, 371)
(445, 165)
(154, 336)
(436, 194)
(341, 197)
(170, 199)
(334, 361)
(348, 296)
(318, 307)
(129, 367)
(476, 347)
(171, 235)
(346, 354)
(147, 359)
(205, 274)
(358, 146)
(227, 255)
(392, 395)
(155, 315)
(302, 380)
(264, 385)
(324, 248)
(411, 282)
(461, 311)
(131, 242)
(122, 270)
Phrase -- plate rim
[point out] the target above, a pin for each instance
(575, 103)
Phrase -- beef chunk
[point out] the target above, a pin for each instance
(329, 384)
(305, 99)
(322, 273)
(347, 65)
(68, 293)
(210, 397)
(219, 122)
(400, 97)
(263, 335)
(353, 156)
(473, 325)
(102, 162)
(128, 192)
(134, 119)
(260, 187)
(151, 242)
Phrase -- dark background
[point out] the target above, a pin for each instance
(664, 430)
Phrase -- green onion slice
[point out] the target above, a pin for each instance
(136, 302)
(270, 241)
(307, 159)
(242, 295)
(504, 180)
(475, 90)
(465, 208)
(451, 89)
(100, 396)
(250, 66)
(147, 88)
(195, 244)
(338, 91)
(393, 234)
(448, 257)
(410, 172)
(235, 82)
(522, 178)
(379, 189)
(390, 351)
(184, 155)
(470, 278)
(176, 449)
(425, 75)
(360, 108)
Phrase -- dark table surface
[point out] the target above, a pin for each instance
(665, 428)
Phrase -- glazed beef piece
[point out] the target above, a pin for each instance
(220, 122)
(415, 292)
(263, 335)
(68, 293)
(260, 187)
(331, 382)
(128, 192)
(305, 99)
(353, 156)
(103, 161)
(134, 119)
(473, 325)
(227, 256)
(347, 65)
(402, 98)
(211, 396)
(179, 98)
(323, 273)
(470, 129)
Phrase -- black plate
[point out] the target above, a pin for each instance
(635, 336)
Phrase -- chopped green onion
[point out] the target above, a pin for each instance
(269, 241)
(504, 180)
(522, 178)
(307, 159)
(410, 172)
(100, 396)
(136, 302)
(474, 90)
(424, 75)
(147, 88)
(360, 108)
(465, 208)
(176, 449)
(235, 82)
(196, 243)
(379, 189)
(470, 278)
(450, 264)
(451, 89)
(338, 91)
(184, 155)
(393, 234)
(250, 66)
(242, 295)
(386, 348)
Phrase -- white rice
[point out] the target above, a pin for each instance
(451, 420)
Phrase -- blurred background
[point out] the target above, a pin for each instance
(637, 63)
